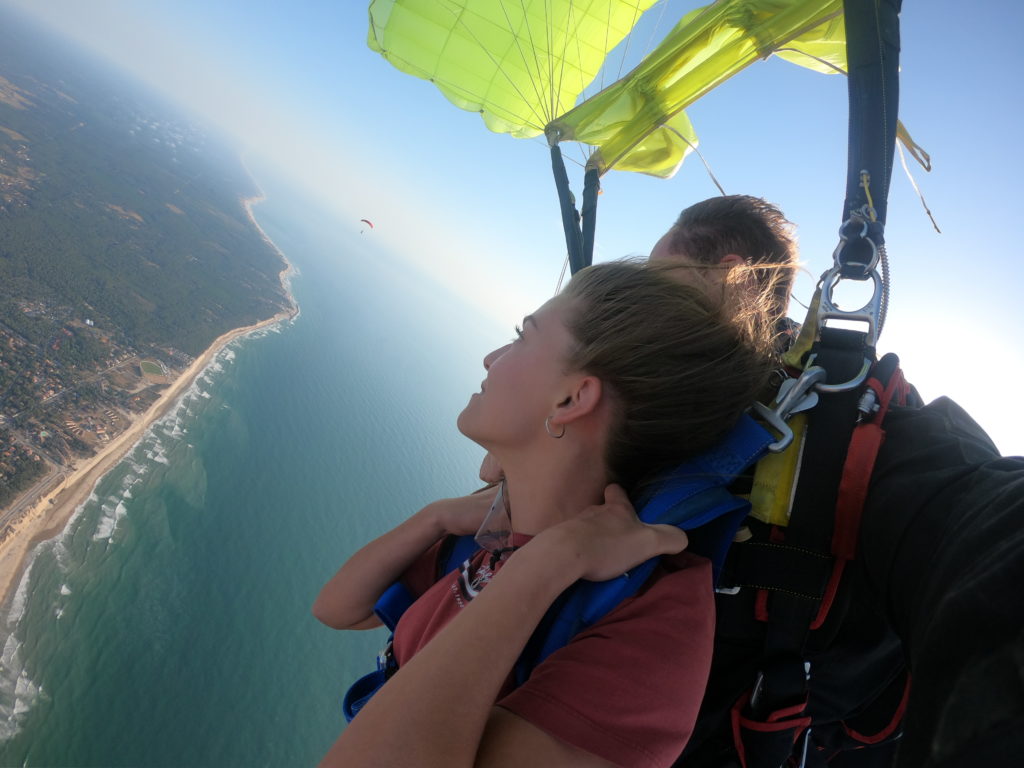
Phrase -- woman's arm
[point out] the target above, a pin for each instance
(347, 600)
(438, 710)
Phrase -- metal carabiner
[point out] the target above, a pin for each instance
(850, 241)
(869, 313)
(797, 396)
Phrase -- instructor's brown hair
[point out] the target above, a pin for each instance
(749, 227)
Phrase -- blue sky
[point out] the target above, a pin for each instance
(298, 86)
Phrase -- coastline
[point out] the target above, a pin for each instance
(50, 515)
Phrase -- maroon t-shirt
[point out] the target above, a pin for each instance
(627, 689)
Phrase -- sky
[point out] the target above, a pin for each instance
(297, 86)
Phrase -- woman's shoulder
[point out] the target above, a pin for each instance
(677, 598)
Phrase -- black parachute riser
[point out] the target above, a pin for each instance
(570, 216)
(591, 187)
(872, 51)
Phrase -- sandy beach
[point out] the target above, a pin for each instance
(51, 513)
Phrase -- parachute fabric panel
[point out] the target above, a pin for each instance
(519, 63)
(823, 49)
(659, 153)
(707, 47)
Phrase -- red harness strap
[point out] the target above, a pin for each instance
(860, 462)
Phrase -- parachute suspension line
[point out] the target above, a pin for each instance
(557, 73)
(920, 196)
(549, 34)
(535, 80)
(540, 121)
(565, 47)
(583, 86)
(693, 146)
(607, 26)
(839, 70)
(654, 31)
(629, 39)
(561, 276)
(579, 54)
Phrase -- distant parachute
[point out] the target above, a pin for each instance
(365, 221)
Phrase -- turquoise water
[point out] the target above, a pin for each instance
(169, 625)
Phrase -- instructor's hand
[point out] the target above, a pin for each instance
(606, 540)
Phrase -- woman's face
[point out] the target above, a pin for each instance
(525, 381)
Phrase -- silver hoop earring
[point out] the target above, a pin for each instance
(547, 428)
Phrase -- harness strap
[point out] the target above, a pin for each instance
(803, 570)
(778, 703)
(693, 496)
(885, 386)
(777, 567)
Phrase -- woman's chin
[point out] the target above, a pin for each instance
(463, 422)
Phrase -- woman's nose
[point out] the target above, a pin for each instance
(492, 356)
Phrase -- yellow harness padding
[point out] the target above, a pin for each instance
(771, 497)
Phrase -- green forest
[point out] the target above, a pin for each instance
(118, 209)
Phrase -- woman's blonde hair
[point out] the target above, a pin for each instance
(681, 361)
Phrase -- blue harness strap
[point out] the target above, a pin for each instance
(693, 496)
(389, 609)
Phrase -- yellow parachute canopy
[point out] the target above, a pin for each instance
(708, 46)
(523, 64)
(519, 63)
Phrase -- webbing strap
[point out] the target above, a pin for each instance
(694, 497)
(872, 54)
(767, 725)
(579, 237)
(885, 387)
(830, 426)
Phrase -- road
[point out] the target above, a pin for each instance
(53, 477)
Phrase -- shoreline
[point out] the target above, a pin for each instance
(50, 515)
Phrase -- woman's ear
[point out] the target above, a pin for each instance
(732, 260)
(584, 397)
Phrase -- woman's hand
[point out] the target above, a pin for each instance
(606, 540)
(464, 515)
(347, 600)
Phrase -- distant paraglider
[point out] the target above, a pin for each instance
(367, 222)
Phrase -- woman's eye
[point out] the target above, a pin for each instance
(519, 333)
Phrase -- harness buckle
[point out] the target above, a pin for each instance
(386, 659)
(795, 395)
(855, 258)
(869, 313)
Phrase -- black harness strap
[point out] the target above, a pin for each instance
(768, 722)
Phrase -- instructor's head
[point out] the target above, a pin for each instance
(723, 232)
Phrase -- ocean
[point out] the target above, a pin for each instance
(170, 625)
